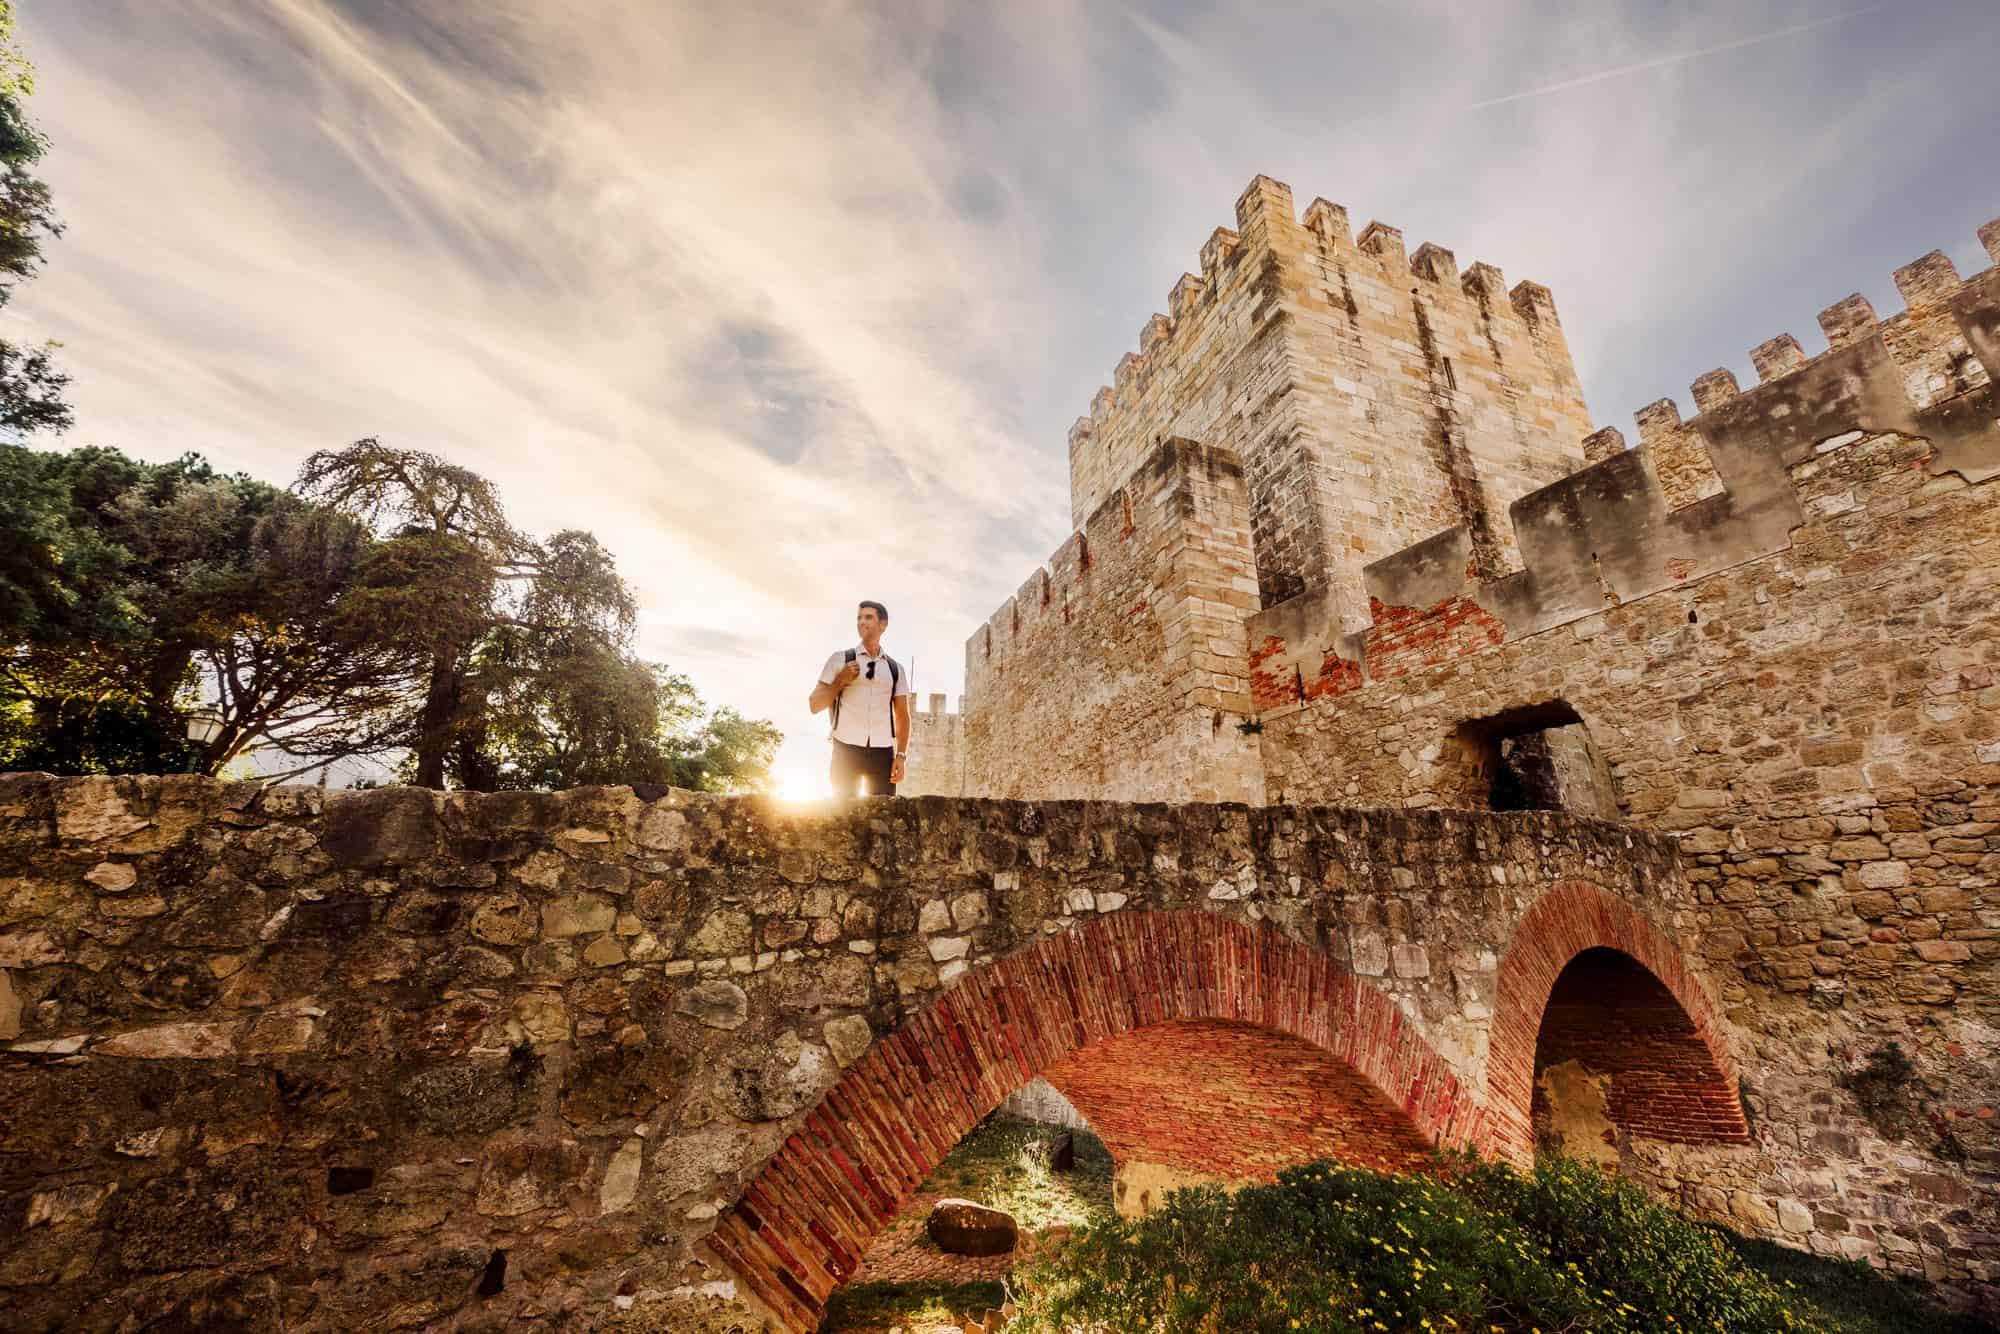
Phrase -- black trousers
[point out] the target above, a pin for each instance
(855, 764)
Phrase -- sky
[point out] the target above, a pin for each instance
(792, 304)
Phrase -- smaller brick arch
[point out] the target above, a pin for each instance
(801, 1227)
(1572, 919)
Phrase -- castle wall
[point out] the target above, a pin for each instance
(1374, 398)
(1438, 399)
(937, 751)
(1780, 623)
(1119, 668)
(1220, 370)
(286, 1058)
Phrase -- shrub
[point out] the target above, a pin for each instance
(1335, 1250)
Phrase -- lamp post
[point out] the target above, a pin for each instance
(204, 726)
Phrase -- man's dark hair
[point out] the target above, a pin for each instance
(880, 610)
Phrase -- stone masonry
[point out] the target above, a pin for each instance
(1771, 629)
(937, 751)
(274, 1057)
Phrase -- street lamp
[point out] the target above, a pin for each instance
(204, 725)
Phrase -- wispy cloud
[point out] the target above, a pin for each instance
(1662, 62)
(792, 305)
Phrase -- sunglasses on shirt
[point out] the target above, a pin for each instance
(871, 671)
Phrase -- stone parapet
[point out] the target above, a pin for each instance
(282, 1058)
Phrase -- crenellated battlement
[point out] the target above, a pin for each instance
(1375, 396)
(1733, 483)
(1127, 642)
(1932, 353)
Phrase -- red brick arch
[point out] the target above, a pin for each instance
(1575, 916)
(801, 1227)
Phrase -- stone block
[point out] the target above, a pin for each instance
(587, 914)
(715, 1004)
(848, 1037)
(94, 809)
(380, 827)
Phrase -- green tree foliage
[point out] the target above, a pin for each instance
(719, 751)
(1336, 1250)
(454, 571)
(396, 609)
(31, 386)
(114, 572)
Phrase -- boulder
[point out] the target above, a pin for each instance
(961, 1227)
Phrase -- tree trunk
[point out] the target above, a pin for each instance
(434, 724)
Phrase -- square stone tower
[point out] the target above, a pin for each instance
(1375, 397)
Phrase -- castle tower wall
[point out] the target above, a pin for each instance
(1119, 667)
(937, 751)
(1374, 398)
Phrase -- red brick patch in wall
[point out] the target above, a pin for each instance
(1270, 683)
(1613, 1017)
(801, 1227)
(1404, 639)
(1572, 917)
(1233, 1101)
(1337, 676)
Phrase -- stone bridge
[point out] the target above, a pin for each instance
(282, 1057)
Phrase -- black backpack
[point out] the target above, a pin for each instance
(895, 679)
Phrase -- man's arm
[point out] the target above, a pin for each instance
(827, 691)
(901, 704)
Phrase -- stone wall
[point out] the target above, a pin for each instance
(1038, 1103)
(1119, 669)
(1373, 397)
(1792, 668)
(372, 1060)
(937, 751)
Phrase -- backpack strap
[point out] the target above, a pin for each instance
(895, 679)
(835, 706)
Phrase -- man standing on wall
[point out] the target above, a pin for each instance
(869, 694)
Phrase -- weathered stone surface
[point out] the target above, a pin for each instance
(578, 914)
(92, 810)
(522, 1176)
(173, 1041)
(716, 1004)
(30, 949)
(385, 825)
(962, 1227)
(662, 829)
(463, 1097)
(848, 1037)
(113, 877)
(720, 933)
(621, 1178)
(785, 1078)
(613, 1083)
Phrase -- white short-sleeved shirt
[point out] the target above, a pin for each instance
(864, 705)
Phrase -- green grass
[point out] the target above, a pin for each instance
(883, 1306)
(1637, 1246)
(997, 1164)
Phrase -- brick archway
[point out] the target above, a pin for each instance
(800, 1228)
(1572, 919)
